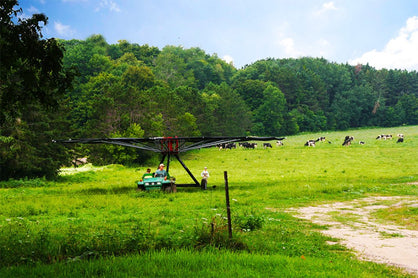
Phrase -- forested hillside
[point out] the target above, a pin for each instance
(57, 89)
(126, 89)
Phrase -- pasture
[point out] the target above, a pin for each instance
(93, 222)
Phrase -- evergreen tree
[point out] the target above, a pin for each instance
(32, 88)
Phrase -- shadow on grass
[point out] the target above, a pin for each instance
(105, 191)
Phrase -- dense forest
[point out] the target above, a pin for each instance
(56, 89)
(132, 90)
(126, 89)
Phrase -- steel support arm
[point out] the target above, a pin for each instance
(187, 170)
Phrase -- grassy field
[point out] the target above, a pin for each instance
(93, 222)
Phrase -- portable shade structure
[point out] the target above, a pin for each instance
(170, 146)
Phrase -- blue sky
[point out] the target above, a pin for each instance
(383, 33)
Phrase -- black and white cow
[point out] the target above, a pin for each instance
(311, 142)
(400, 139)
(227, 146)
(279, 143)
(247, 145)
(384, 136)
(267, 145)
(348, 140)
(231, 146)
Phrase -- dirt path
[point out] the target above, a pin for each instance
(352, 223)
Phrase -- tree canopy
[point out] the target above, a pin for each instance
(127, 89)
(32, 89)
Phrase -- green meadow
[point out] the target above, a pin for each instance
(92, 222)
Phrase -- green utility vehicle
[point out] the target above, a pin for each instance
(151, 183)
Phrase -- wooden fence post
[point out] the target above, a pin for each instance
(228, 208)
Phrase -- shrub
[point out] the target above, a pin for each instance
(215, 234)
(249, 222)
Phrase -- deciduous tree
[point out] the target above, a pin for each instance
(32, 88)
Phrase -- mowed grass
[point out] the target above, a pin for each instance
(93, 221)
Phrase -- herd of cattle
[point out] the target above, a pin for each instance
(348, 140)
(246, 145)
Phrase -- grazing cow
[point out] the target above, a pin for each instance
(361, 143)
(247, 145)
(384, 136)
(348, 140)
(227, 146)
(400, 140)
(311, 143)
(322, 138)
(231, 146)
(243, 144)
(279, 143)
(267, 145)
(400, 135)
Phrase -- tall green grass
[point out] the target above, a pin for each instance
(93, 220)
(214, 263)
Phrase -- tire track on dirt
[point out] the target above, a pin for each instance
(352, 223)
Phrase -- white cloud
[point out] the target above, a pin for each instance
(228, 59)
(398, 53)
(33, 10)
(30, 11)
(288, 46)
(63, 30)
(326, 7)
(329, 6)
(108, 4)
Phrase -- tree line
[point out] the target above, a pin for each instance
(189, 92)
(54, 89)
